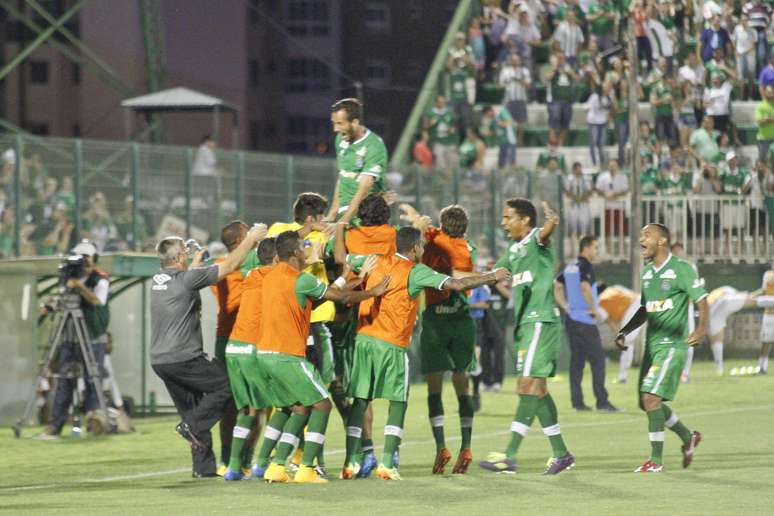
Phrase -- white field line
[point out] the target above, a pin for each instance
(612, 421)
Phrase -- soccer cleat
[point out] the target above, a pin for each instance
(257, 471)
(650, 467)
(463, 461)
(47, 434)
(230, 475)
(247, 472)
(221, 471)
(308, 475)
(582, 408)
(297, 456)
(499, 463)
(184, 429)
(368, 466)
(276, 473)
(689, 448)
(196, 474)
(608, 407)
(386, 473)
(321, 470)
(556, 466)
(442, 458)
(396, 459)
(350, 471)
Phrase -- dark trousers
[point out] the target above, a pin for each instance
(201, 393)
(70, 368)
(586, 344)
(492, 343)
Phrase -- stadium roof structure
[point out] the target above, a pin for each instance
(182, 99)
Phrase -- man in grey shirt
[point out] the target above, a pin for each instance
(199, 387)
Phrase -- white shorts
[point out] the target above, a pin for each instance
(732, 216)
(767, 328)
(632, 337)
(721, 309)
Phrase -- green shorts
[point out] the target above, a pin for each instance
(220, 348)
(248, 385)
(447, 342)
(323, 340)
(537, 347)
(661, 369)
(343, 339)
(291, 379)
(379, 370)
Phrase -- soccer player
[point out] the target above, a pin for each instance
(241, 363)
(448, 339)
(228, 293)
(530, 260)
(724, 301)
(287, 298)
(617, 306)
(385, 326)
(767, 325)
(361, 158)
(669, 285)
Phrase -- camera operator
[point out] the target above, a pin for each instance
(199, 387)
(92, 286)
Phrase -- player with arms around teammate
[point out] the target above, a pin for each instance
(669, 285)
(530, 260)
(385, 326)
(292, 381)
(361, 158)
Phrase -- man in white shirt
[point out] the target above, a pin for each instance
(614, 187)
(661, 42)
(570, 38)
(745, 38)
(516, 80)
(717, 101)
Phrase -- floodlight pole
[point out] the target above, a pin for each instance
(635, 258)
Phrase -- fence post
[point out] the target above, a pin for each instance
(493, 183)
(188, 188)
(78, 160)
(290, 178)
(17, 214)
(135, 167)
(239, 176)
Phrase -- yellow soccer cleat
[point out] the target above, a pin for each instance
(308, 475)
(386, 473)
(221, 470)
(247, 472)
(276, 473)
(297, 456)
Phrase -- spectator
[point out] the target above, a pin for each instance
(717, 102)
(647, 142)
(764, 117)
(54, 235)
(745, 39)
(133, 233)
(98, 225)
(526, 36)
(552, 152)
(761, 186)
(570, 38)
(694, 72)
(705, 182)
(686, 104)
(703, 143)
(422, 154)
(759, 14)
(66, 193)
(598, 114)
(734, 181)
(477, 47)
(205, 162)
(766, 77)
(718, 64)
(548, 183)
(472, 152)
(601, 16)
(460, 49)
(661, 40)
(7, 224)
(621, 119)
(441, 125)
(506, 136)
(617, 72)
(488, 129)
(673, 183)
(614, 188)
(661, 100)
(591, 71)
(516, 80)
(560, 79)
(637, 10)
(714, 37)
(458, 73)
(494, 23)
(577, 190)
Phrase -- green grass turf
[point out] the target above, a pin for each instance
(147, 472)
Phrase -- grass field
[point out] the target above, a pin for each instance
(148, 472)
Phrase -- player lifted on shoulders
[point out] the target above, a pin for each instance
(669, 285)
(536, 336)
(361, 159)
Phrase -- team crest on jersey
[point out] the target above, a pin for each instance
(160, 281)
(648, 275)
(698, 283)
(668, 274)
(665, 285)
(646, 284)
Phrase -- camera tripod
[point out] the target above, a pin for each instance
(70, 327)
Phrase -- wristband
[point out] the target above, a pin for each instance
(340, 282)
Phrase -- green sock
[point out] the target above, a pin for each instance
(674, 424)
(435, 411)
(525, 414)
(247, 456)
(466, 419)
(656, 434)
(244, 424)
(321, 455)
(366, 446)
(270, 436)
(290, 437)
(355, 429)
(549, 420)
(393, 431)
(339, 397)
(314, 438)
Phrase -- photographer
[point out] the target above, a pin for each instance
(92, 286)
(199, 387)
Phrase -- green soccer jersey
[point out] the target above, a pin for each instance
(547, 155)
(366, 156)
(505, 134)
(602, 26)
(532, 267)
(309, 287)
(488, 130)
(663, 91)
(673, 185)
(455, 87)
(667, 291)
(468, 153)
(621, 110)
(560, 87)
(650, 181)
(442, 127)
(732, 182)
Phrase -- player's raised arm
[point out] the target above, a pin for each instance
(235, 258)
(356, 296)
(551, 222)
(476, 280)
(637, 320)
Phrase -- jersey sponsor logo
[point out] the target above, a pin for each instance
(660, 305)
(668, 274)
(648, 275)
(521, 278)
(348, 175)
(698, 283)
(160, 281)
(665, 285)
(446, 310)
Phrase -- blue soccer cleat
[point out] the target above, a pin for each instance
(257, 471)
(230, 475)
(369, 464)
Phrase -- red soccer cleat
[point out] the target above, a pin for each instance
(689, 448)
(463, 461)
(650, 467)
(442, 458)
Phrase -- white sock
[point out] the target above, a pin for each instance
(717, 354)
(763, 363)
(625, 362)
(688, 362)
